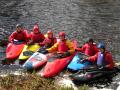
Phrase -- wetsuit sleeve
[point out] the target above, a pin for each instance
(42, 37)
(93, 58)
(95, 50)
(26, 35)
(11, 37)
(109, 61)
(82, 49)
(70, 46)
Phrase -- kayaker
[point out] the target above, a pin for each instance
(63, 46)
(88, 48)
(36, 36)
(103, 58)
(50, 40)
(19, 35)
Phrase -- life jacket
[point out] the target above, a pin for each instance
(48, 42)
(53, 41)
(20, 36)
(62, 46)
(89, 50)
(39, 37)
(100, 59)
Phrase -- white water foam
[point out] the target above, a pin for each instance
(65, 81)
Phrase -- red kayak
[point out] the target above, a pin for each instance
(55, 66)
(14, 50)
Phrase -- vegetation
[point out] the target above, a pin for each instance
(31, 82)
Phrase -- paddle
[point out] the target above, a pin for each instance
(93, 69)
(96, 69)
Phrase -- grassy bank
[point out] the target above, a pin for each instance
(31, 82)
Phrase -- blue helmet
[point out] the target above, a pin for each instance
(101, 45)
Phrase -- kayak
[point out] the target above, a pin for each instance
(28, 48)
(76, 63)
(91, 75)
(85, 75)
(55, 65)
(13, 50)
(36, 61)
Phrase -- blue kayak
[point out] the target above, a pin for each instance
(76, 65)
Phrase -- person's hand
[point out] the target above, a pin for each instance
(83, 60)
(44, 51)
(76, 49)
(11, 41)
(15, 40)
(101, 67)
(67, 53)
(29, 43)
(85, 57)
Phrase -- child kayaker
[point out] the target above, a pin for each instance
(103, 58)
(63, 46)
(88, 48)
(50, 40)
(36, 36)
(19, 35)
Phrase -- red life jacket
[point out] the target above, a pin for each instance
(22, 36)
(50, 41)
(62, 46)
(89, 50)
(39, 37)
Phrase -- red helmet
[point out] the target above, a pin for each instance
(49, 32)
(36, 28)
(61, 33)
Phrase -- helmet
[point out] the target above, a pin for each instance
(19, 25)
(49, 32)
(101, 45)
(36, 28)
(61, 33)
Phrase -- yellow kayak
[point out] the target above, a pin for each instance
(28, 48)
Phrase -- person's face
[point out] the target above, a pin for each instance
(19, 29)
(90, 43)
(62, 38)
(101, 50)
(50, 35)
(36, 31)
